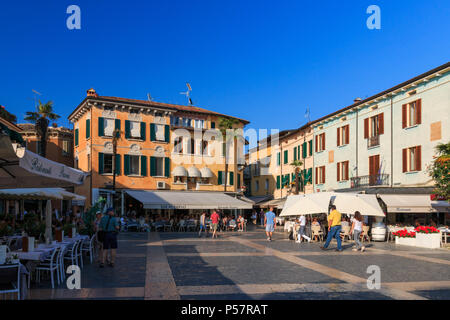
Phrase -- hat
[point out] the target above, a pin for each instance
(110, 209)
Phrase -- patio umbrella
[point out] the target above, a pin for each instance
(303, 204)
(366, 204)
(48, 222)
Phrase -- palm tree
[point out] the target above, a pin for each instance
(440, 170)
(297, 164)
(41, 118)
(224, 125)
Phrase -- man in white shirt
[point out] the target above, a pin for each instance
(301, 233)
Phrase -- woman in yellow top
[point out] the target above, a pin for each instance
(334, 229)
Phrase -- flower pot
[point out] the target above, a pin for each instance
(405, 241)
(430, 241)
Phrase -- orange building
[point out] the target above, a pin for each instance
(159, 146)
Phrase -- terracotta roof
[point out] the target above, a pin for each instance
(11, 125)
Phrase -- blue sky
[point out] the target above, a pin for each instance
(264, 61)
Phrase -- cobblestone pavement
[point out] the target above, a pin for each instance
(244, 265)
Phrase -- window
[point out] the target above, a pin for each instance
(178, 145)
(76, 163)
(320, 142)
(374, 126)
(159, 166)
(213, 125)
(205, 148)
(134, 111)
(159, 132)
(109, 127)
(412, 158)
(134, 165)
(256, 185)
(135, 129)
(412, 113)
(199, 124)
(343, 136)
(191, 146)
(107, 163)
(175, 121)
(267, 184)
(320, 175)
(66, 148)
(342, 171)
(187, 122)
(159, 114)
(108, 108)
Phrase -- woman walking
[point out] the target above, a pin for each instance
(356, 230)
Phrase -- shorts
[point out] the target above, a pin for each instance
(110, 241)
(269, 228)
(202, 227)
(214, 226)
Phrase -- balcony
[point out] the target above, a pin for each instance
(372, 180)
(373, 141)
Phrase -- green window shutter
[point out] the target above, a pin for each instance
(293, 177)
(117, 164)
(117, 127)
(127, 129)
(278, 158)
(213, 125)
(286, 156)
(298, 152)
(310, 175)
(167, 133)
(167, 167)
(304, 150)
(101, 127)
(126, 164)
(152, 166)
(219, 177)
(76, 137)
(310, 147)
(224, 149)
(100, 163)
(239, 180)
(88, 128)
(295, 153)
(231, 183)
(144, 166)
(143, 131)
(152, 132)
(278, 182)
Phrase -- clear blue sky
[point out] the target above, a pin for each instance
(264, 61)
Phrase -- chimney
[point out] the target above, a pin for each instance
(91, 93)
(357, 100)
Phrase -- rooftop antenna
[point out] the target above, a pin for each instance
(149, 97)
(188, 93)
(35, 97)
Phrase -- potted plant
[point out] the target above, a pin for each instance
(405, 237)
(15, 258)
(428, 237)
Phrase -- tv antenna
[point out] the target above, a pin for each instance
(35, 96)
(149, 97)
(188, 93)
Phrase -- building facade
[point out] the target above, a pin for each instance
(158, 147)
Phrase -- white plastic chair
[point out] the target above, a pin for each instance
(50, 265)
(71, 253)
(8, 275)
(182, 226)
(88, 247)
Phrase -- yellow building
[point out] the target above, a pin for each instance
(160, 146)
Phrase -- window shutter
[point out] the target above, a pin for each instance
(323, 174)
(310, 175)
(278, 182)
(310, 147)
(304, 151)
(100, 162)
(117, 165)
(101, 127)
(127, 129)
(88, 128)
(405, 161)
(419, 111)
(143, 131)
(317, 175)
(231, 179)
(323, 141)
(117, 127)
(346, 170)
(76, 137)
(366, 128)
(286, 156)
(316, 143)
(338, 131)
(381, 123)
(167, 133)
(167, 167)
(126, 164)
(278, 158)
(295, 153)
(298, 152)
(219, 177)
(152, 132)
(144, 166)
(404, 124)
(338, 165)
(152, 166)
(347, 135)
(239, 180)
(418, 158)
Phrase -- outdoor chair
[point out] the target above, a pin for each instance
(317, 233)
(88, 247)
(365, 234)
(62, 253)
(232, 225)
(71, 253)
(50, 265)
(168, 226)
(10, 279)
(182, 226)
(345, 233)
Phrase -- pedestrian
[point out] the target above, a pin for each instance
(214, 223)
(261, 216)
(301, 234)
(334, 229)
(356, 230)
(203, 224)
(110, 227)
(269, 223)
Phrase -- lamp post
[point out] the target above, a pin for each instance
(115, 138)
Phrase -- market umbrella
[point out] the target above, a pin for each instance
(312, 203)
(366, 204)
(48, 222)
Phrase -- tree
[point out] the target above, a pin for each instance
(7, 116)
(41, 118)
(297, 164)
(439, 170)
(224, 125)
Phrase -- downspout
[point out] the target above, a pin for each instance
(357, 120)
(281, 168)
(392, 143)
(92, 139)
(304, 164)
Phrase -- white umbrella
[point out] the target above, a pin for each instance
(303, 204)
(48, 222)
(366, 204)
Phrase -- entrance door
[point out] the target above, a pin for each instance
(374, 167)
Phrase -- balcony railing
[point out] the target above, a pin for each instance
(371, 180)
(373, 141)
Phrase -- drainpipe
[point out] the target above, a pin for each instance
(281, 168)
(392, 143)
(357, 109)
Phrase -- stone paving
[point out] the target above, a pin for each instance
(244, 265)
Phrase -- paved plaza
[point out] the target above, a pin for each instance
(244, 265)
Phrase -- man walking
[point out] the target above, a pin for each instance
(203, 225)
(301, 233)
(110, 226)
(269, 223)
(334, 229)
(214, 223)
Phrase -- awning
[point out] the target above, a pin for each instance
(302, 204)
(441, 206)
(193, 172)
(39, 194)
(366, 204)
(276, 203)
(259, 199)
(187, 200)
(179, 172)
(407, 203)
(21, 167)
(206, 172)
